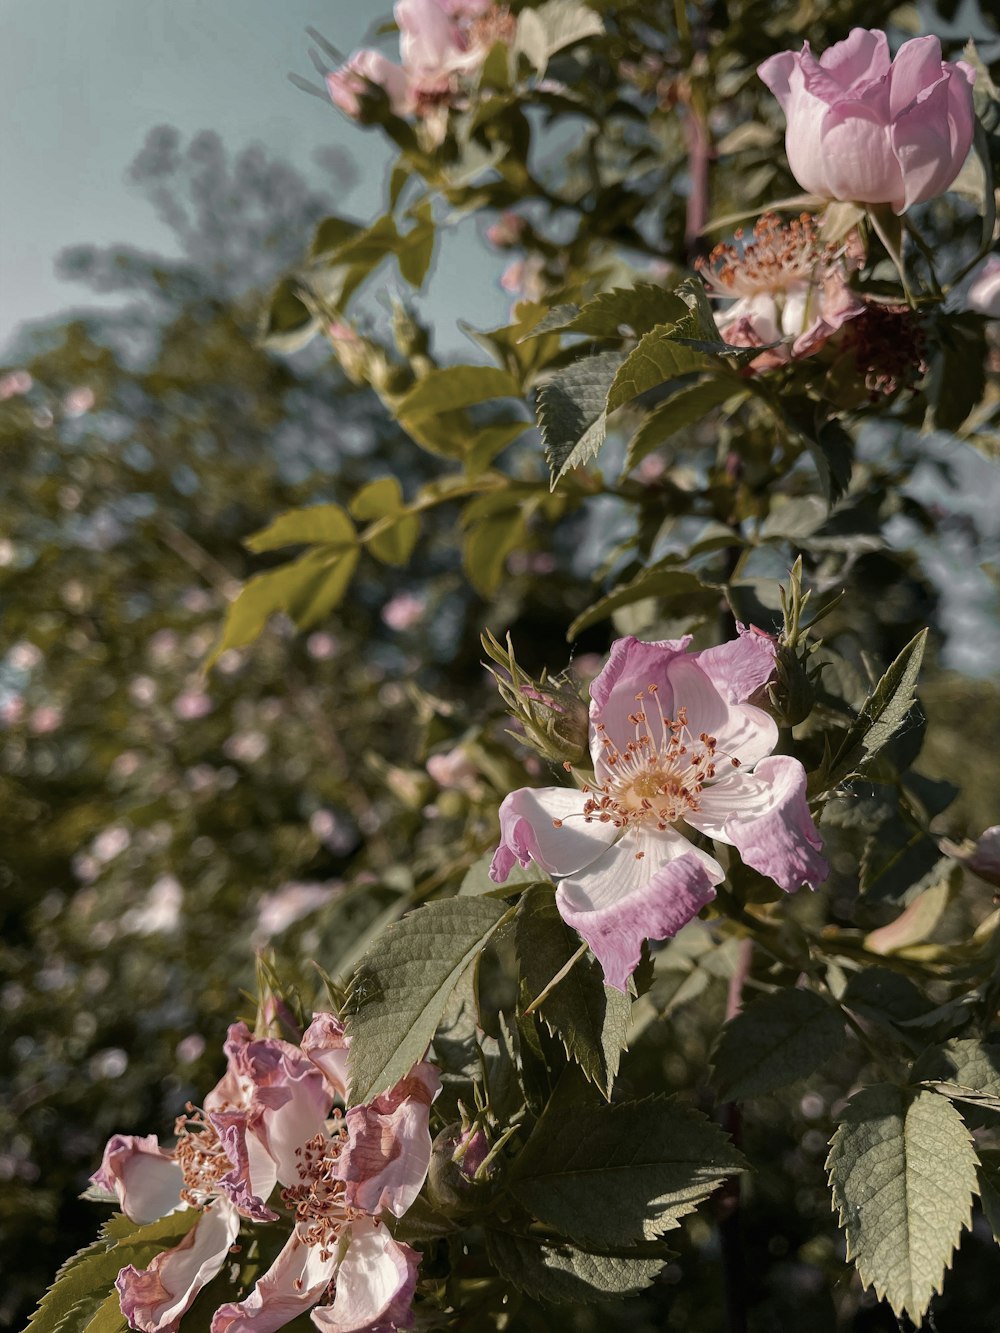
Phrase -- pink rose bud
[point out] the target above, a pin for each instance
(865, 128)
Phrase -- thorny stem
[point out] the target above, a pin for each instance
(728, 1197)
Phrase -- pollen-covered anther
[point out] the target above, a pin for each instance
(199, 1154)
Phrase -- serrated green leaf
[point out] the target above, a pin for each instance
(903, 1173)
(403, 983)
(451, 387)
(571, 413)
(659, 357)
(86, 1280)
(882, 714)
(590, 1018)
(683, 591)
(637, 309)
(965, 1070)
(686, 407)
(613, 1175)
(326, 523)
(775, 1041)
(550, 1270)
(307, 590)
(108, 1317)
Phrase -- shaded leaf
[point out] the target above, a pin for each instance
(775, 1041)
(686, 407)
(882, 714)
(683, 590)
(622, 1173)
(551, 1270)
(903, 1173)
(403, 983)
(638, 309)
(590, 1018)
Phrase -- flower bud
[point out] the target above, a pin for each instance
(456, 1155)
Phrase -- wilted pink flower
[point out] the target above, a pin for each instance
(155, 1299)
(983, 295)
(374, 1160)
(865, 128)
(271, 1101)
(674, 742)
(791, 290)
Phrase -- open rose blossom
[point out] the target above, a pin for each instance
(791, 290)
(674, 743)
(865, 128)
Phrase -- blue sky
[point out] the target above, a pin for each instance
(81, 83)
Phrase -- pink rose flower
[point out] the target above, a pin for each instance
(865, 128)
(674, 742)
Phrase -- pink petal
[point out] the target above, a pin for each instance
(632, 665)
(932, 137)
(285, 1093)
(776, 73)
(384, 1162)
(254, 1172)
(765, 816)
(916, 69)
(146, 1179)
(647, 886)
(527, 832)
(859, 163)
(156, 1299)
(742, 731)
(863, 56)
(983, 294)
(375, 1285)
(291, 1286)
(741, 666)
(326, 1044)
(429, 41)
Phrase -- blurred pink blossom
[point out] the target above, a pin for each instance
(404, 611)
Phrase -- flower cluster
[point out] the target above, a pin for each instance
(442, 45)
(675, 744)
(271, 1122)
